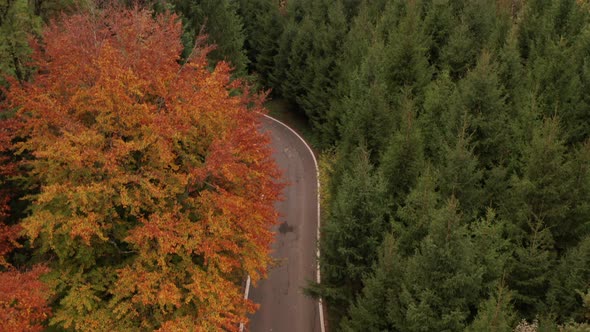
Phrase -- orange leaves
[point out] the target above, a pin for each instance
(156, 187)
(23, 300)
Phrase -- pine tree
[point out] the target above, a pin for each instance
(309, 49)
(439, 22)
(482, 96)
(461, 176)
(219, 20)
(377, 307)
(17, 21)
(529, 269)
(434, 117)
(361, 74)
(469, 37)
(495, 314)
(403, 159)
(365, 115)
(547, 186)
(406, 64)
(354, 230)
(493, 250)
(414, 218)
(571, 276)
(442, 281)
(262, 27)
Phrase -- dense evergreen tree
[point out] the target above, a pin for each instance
(375, 308)
(570, 278)
(442, 280)
(219, 20)
(306, 61)
(413, 219)
(481, 96)
(355, 229)
(495, 314)
(364, 111)
(460, 176)
(17, 21)
(262, 28)
(403, 159)
(406, 65)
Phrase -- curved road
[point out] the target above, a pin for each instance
(283, 306)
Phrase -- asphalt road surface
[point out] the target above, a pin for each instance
(283, 306)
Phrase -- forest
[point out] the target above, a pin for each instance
(454, 147)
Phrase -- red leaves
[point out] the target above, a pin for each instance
(23, 300)
(135, 152)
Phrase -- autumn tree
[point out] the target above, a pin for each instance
(23, 297)
(155, 188)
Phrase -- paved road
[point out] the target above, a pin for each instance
(283, 307)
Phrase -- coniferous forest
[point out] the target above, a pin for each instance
(454, 145)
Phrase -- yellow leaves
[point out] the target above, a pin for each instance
(169, 294)
(151, 172)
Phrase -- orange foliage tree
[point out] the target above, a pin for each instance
(23, 297)
(155, 184)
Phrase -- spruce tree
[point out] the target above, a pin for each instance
(403, 159)
(365, 114)
(377, 307)
(406, 64)
(219, 20)
(17, 21)
(442, 280)
(461, 176)
(495, 314)
(544, 192)
(309, 49)
(414, 218)
(493, 250)
(353, 232)
(361, 74)
(482, 96)
(262, 28)
(571, 277)
(529, 269)
(434, 116)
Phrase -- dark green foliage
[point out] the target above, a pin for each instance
(363, 109)
(219, 20)
(355, 229)
(481, 103)
(406, 65)
(375, 309)
(481, 96)
(403, 159)
(442, 280)
(496, 314)
(529, 270)
(492, 249)
(17, 21)
(306, 66)
(546, 193)
(262, 28)
(571, 277)
(413, 219)
(460, 175)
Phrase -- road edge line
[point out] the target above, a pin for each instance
(246, 294)
(317, 171)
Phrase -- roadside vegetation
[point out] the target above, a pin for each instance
(454, 144)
